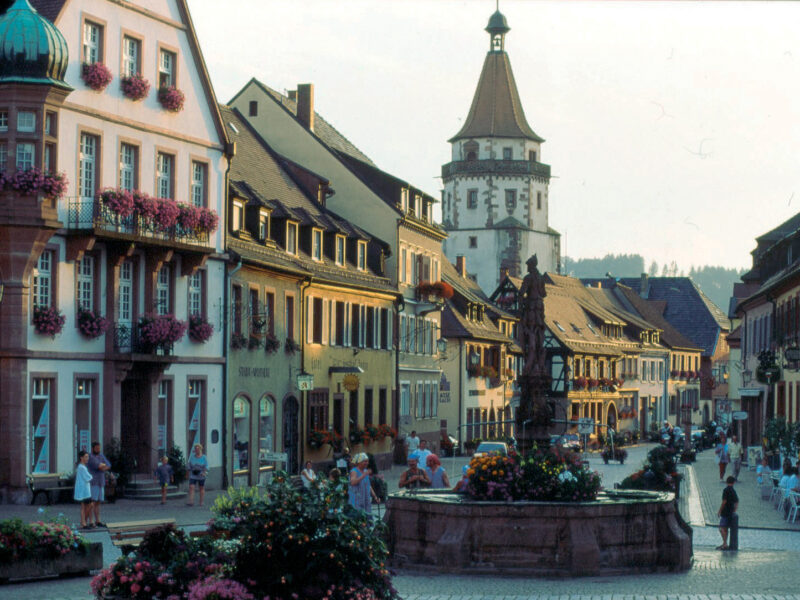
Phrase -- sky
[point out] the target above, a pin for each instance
(672, 128)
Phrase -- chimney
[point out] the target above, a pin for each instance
(292, 95)
(461, 265)
(503, 273)
(305, 105)
(644, 288)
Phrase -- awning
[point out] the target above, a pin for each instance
(750, 392)
(332, 370)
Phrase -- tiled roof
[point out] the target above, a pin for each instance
(496, 109)
(324, 130)
(49, 9)
(256, 174)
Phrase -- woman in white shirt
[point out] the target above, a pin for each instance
(83, 491)
(307, 475)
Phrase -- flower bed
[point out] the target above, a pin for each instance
(171, 98)
(96, 76)
(91, 324)
(134, 87)
(48, 320)
(34, 181)
(200, 330)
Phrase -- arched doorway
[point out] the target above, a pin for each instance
(242, 424)
(291, 435)
(611, 417)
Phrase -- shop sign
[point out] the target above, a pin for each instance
(350, 382)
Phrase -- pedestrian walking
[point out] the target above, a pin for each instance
(98, 465)
(360, 494)
(83, 489)
(165, 476)
(728, 519)
(723, 455)
(735, 451)
(412, 443)
(198, 469)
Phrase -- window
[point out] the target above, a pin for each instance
(49, 162)
(473, 241)
(236, 310)
(166, 68)
(25, 156)
(269, 309)
(353, 410)
(404, 200)
(3, 157)
(26, 121)
(532, 155)
(165, 164)
(41, 424)
(539, 200)
(316, 320)
(163, 290)
(382, 406)
(316, 244)
(506, 153)
(3, 120)
(290, 317)
(43, 280)
(253, 108)
(418, 206)
(195, 303)
(362, 256)
(88, 165)
(368, 410)
(85, 283)
(92, 42)
(199, 178)
(257, 321)
(385, 333)
(128, 166)
(339, 320)
(403, 265)
(511, 200)
(291, 238)
(317, 411)
(50, 123)
(125, 298)
(355, 326)
(263, 225)
(266, 428)
(370, 327)
(405, 399)
(195, 411)
(131, 56)
(237, 216)
(83, 415)
(340, 250)
(164, 415)
(472, 198)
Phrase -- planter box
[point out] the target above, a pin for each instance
(69, 564)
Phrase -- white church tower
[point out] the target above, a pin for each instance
(495, 197)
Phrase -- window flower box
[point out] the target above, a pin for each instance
(171, 98)
(290, 346)
(439, 289)
(96, 76)
(593, 383)
(271, 343)
(118, 201)
(92, 325)
(134, 87)
(35, 181)
(48, 320)
(200, 330)
(580, 383)
(387, 430)
(160, 332)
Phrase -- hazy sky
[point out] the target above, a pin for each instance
(673, 129)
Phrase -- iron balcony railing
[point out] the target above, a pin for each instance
(495, 166)
(90, 213)
(127, 340)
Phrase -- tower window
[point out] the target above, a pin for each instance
(539, 200)
(532, 155)
(473, 241)
(472, 198)
(506, 153)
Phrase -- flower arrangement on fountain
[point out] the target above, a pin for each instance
(659, 472)
(50, 539)
(48, 320)
(171, 98)
(97, 76)
(161, 331)
(134, 87)
(200, 330)
(34, 181)
(546, 474)
(92, 324)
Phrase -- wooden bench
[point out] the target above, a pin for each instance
(127, 535)
(45, 483)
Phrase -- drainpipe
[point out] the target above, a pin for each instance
(228, 276)
(400, 304)
(460, 391)
(773, 340)
(304, 285)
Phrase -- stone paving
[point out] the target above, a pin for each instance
(765, 568)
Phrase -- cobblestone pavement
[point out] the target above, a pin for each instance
(765, 568)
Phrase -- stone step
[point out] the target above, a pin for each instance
(157, 496)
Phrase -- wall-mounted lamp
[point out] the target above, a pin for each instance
(441, 345)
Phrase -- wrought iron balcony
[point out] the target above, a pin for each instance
(495, 166)
(90, 214)
(127, 341)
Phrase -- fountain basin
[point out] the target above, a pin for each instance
(621, 532)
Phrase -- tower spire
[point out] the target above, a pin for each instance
(497, 28)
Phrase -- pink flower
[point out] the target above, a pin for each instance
(97, 76)
(171, 98)
(135, 87)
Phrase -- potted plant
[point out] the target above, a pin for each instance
(48, 320)
(97, 76)
(91, 324)
(200, 330)
(160, 332)
(171, 98)
(134, 87)
(580, 383)
(357, 435)
(34, 181)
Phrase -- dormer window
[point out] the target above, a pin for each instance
(237, 216)
(418, 206)
(291, 238)
(316, 244)
(263, 225)
(404, 200)
(362, 256)
(340, 250)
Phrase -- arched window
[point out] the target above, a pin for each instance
(241, 433)
(266, 428)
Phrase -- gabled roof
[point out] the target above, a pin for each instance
(686, 308)
(496, 109)
(326, 132)
(49, 9)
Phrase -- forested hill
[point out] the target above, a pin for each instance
(716, 282)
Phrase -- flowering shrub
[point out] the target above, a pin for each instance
(96, 75)
(200, 330)
(20, 540)
(33, 181)
(119, 201)
(134, 87)
(92, 325)
(214, 588)
(545, 475)
(593, 383)
(160, 331)
(48, 320)
(171, 98)
(357, 436)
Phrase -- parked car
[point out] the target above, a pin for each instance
(485, 448)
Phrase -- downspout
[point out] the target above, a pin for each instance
(400, 303)
(304, 285)
(460, 392)
(770, 384)
(228, 276)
